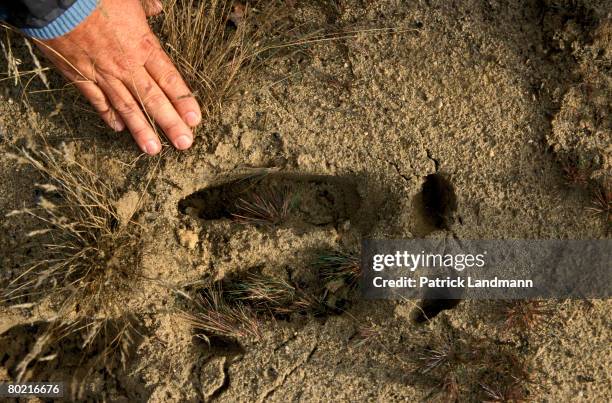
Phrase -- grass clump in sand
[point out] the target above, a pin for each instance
(217, 44)
(86, 256)
(338, 273)
(267, 205)
(238, 308)
(269, 295)
(576, 171)
(78, 348)
(523, 315)
(460, 367)
(213, 316)
(584, 174)
(83, 260)
(339, 269)
(366, 333)
(601, 205)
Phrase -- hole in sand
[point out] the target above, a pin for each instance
(221, 345)
(439, 201)
(430, 308)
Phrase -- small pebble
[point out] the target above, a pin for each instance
(187, 238)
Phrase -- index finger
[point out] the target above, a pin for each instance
(163, 71)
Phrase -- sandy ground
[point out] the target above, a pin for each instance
(489, 94)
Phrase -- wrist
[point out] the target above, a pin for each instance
(65, 22)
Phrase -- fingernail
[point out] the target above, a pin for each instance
(118, 126)
(152, 147)
(183, 142)
(192, 119)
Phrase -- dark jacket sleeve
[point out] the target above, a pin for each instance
(46, 19)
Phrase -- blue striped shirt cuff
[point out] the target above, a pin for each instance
(73, 16)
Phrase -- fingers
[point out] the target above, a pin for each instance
(129, 110)
(161, 68)
(155, 86)
(98, 100)
(152, 7)
(160, 109)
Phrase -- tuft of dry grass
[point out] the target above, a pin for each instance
(82, 262)
(523, 315)
(444, 351)
(234, 306)
(103, 343)
(23, 72)
(237, 307)
(268, 205)
(270, 295)
(580, 173)
(576, 172)
(601, 206)
(366, 334)
(338, 269)
(461, 367)
(85, 257)
(339, 275)
(213, 315)
(217, 46)
(512, 393)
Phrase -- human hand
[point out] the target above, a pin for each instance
(116, 61)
